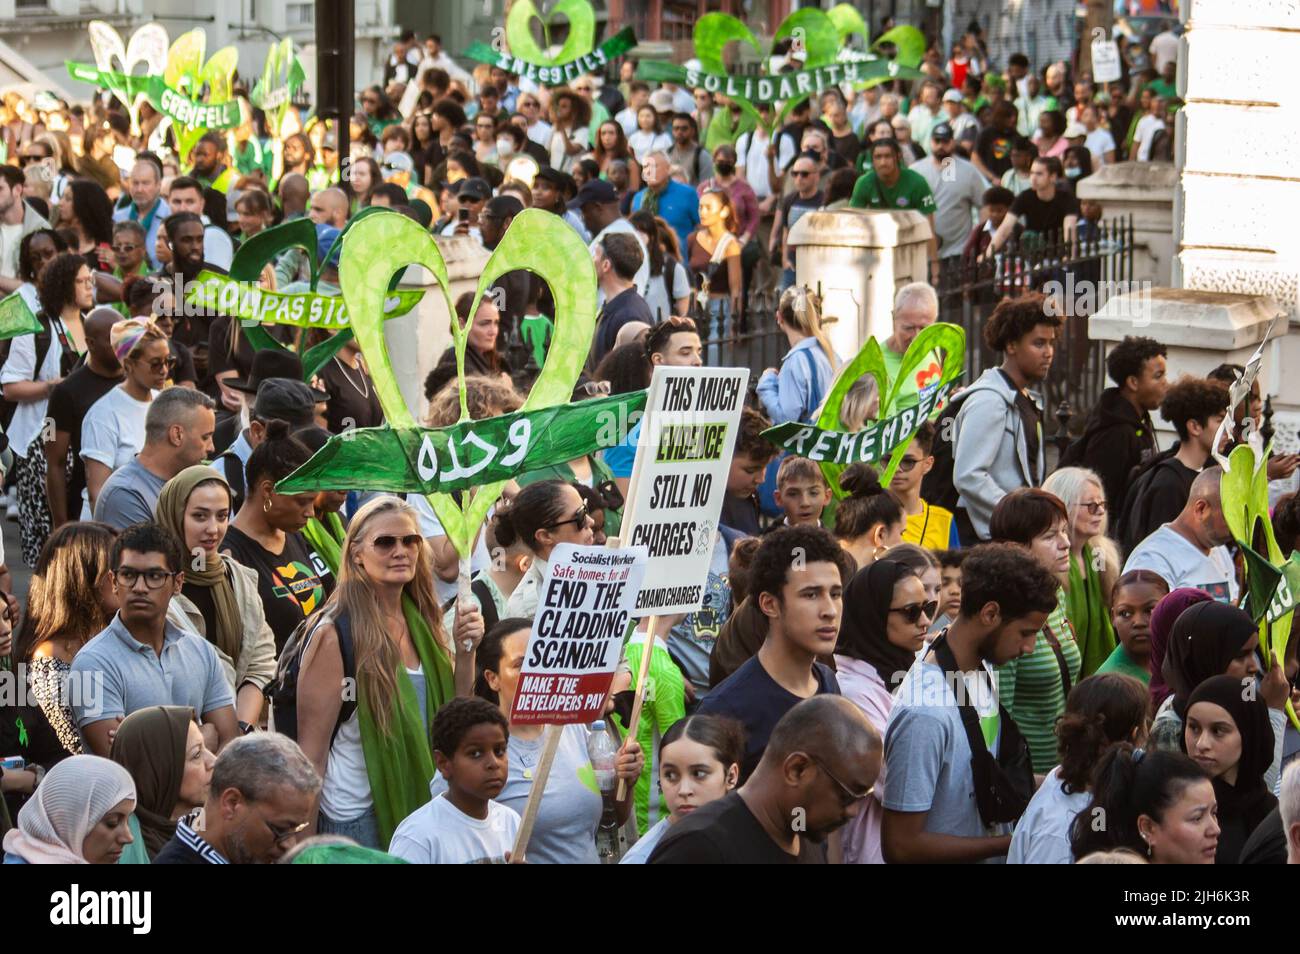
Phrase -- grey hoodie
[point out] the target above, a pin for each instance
(990, 453)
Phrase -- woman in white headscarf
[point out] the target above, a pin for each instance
(79, 815)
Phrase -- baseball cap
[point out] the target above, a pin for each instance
(286, 399)
(941, 132)
(662, 101)
(398, 162)
(474, 189)
(596, 190)
(952, 96)
(325, 238)
(502, 207)
(1075, 130)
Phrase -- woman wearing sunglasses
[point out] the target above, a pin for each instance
(113, 430)
(1034, 688)
(293, 580)
(373, 753)
(1094, 563)
(219, 598)
(543, 515)
(886, 619)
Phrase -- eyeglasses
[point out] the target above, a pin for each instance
(153, 577)
(800, 173)
(912, 611)
(1094, 507)
(847, 795)
(906, 464)
(578, 519)
(281, 835)
(385, 543)
(125, 249)
(26, 160)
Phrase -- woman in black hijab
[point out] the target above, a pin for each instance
(1228, 733)
(1208, 639)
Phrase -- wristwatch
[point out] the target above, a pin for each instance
(246, 727)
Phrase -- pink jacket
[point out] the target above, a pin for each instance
(862, 685)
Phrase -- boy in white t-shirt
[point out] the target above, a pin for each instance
(463, 825)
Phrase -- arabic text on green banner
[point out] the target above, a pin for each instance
(469, 454)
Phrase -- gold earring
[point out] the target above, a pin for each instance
(266, 505)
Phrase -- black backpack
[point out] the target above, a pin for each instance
(937, 487)
(43, 340)
(283, 689)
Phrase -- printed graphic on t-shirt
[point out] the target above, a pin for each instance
(300, 583)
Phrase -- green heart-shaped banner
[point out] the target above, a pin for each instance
(147, 46)
(816, 34)
(282, 77)
(379, 245)
(468, 454)
(1243, 492)
(519, 31)
(941, 338)
(186, 77)
(16, 317)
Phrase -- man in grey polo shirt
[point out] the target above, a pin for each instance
(140, 659)
(958, 190)
(178, 431)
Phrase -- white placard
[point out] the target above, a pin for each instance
(679, 481)
(1105, 60)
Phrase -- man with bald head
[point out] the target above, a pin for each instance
(294, 191)
(330, 207)
(1191, 550)
(70, 400)
(819, 766)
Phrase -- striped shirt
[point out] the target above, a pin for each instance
(1032, 691)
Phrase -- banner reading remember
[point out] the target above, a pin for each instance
(587, 596)
(679, 481)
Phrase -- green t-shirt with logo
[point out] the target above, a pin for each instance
(911, 191)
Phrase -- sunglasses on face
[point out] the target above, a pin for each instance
(386, 543)
(578, 519)
(800, 173)
(907, 464)
(153, 578)
(125, 249)
(160, 365)
(912, 611)
(28, 160)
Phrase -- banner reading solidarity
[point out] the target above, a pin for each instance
(874, 442)
(770, 89)
(245, 300)
(468, 454)
(679, 480)
(586, 601)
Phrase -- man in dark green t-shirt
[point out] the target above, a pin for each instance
(888, 186)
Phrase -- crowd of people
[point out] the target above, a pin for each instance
(964, 663)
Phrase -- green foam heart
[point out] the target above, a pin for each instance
(188, 72)
(282, 77)
(947, 339)
(536, 241)
(148, 45)
(519, 31)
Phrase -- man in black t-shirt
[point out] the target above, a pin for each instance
(69, 402)
(992, 156)
(806, 197)
(797, 581)
(823, 759)
(1041, 209)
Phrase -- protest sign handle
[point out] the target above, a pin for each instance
(551, 743)
(635, 721)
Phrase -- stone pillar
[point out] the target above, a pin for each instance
(1144, 190)
(860, 259)
(1237, 139)
(1202, 329)
(417, 339)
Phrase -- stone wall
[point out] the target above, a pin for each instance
(1145, 191)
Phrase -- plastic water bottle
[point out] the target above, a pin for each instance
(604, 755)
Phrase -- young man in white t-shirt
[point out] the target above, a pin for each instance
(463, 825)
(1191, 550)
(1149, 125)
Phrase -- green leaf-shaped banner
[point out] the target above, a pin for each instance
(16, 317)
(189, 74)
(282, 77)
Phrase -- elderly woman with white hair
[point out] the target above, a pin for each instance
(1094, 563)
(79, 815)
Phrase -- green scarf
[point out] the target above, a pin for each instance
(1089, 614)
(326, 539)
(399, 763)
